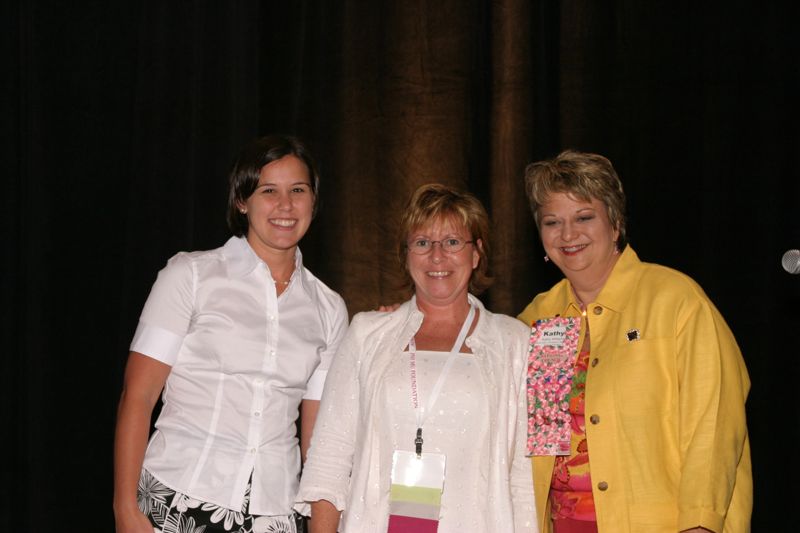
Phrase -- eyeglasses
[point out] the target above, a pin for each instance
(450, 245)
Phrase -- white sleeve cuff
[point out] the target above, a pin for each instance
(315, 385)
(156, 342)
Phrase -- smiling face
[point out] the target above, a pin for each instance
(279, 210)
(578, 238)
(441, 278)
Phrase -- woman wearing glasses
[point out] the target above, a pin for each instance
(421, 425)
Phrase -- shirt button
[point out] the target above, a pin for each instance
(257, 414)
(253, 450)
(594, 419)
(602, 485)
(271, 317)
(259, 381)
(597, 310)
(272, 353)
(595, 361)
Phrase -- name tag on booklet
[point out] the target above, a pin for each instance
(416, 492)
(552, 352)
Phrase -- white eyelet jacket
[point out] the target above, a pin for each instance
(347, 450)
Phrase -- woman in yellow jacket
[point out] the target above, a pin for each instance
(653, 432)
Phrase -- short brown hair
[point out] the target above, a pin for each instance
(583, 175)
(436, 202)
(244, 176)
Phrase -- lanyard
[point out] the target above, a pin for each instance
(422, 414)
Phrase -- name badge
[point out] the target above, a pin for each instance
(416, 493)
(552, 352)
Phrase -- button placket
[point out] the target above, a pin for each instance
(260, 389)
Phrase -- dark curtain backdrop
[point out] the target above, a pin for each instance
(121, 120)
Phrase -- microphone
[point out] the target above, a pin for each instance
(791, 261)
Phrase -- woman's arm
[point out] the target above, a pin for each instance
(308, 416)
(324, 517)
(144, 380)
(713, 385)
(327, 471)
(334, 316)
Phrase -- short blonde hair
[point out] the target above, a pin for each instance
(435, 202)
(583, 175)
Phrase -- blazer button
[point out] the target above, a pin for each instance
(594, 419)
(602, 485)
(597, 310)
(595, 361)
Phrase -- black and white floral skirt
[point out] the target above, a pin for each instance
(173, 512)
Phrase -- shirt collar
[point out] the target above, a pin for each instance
(242, 260)
(473, 300)
(413, 316)
(615, 294)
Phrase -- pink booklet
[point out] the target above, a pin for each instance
(552, 352)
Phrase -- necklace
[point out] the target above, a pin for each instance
(278, 282)
(580, 302)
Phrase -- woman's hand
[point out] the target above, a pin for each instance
(129, 519)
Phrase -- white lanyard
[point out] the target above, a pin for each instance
(422, 414)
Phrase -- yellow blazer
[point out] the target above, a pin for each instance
(668, 447)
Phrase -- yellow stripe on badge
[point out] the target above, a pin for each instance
(426, 495)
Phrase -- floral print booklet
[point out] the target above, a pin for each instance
(552, 352)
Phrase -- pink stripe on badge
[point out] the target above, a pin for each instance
(409, 524)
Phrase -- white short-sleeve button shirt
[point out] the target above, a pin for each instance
(242, 360)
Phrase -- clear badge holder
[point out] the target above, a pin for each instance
(416, 493)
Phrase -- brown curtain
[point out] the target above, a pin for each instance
(121, 120)
(419, 92)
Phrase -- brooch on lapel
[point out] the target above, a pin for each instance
(633, 335)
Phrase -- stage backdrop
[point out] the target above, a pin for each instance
(121, 120)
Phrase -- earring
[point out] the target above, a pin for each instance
(243, 211)
(546, 258)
